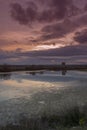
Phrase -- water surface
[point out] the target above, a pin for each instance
(32, 93)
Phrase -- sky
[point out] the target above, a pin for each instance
(43, 31)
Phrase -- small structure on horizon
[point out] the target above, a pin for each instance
(63, 64)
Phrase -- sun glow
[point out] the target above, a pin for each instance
(47, 47)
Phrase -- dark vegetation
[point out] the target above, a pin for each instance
(73, 117)
(10, 68)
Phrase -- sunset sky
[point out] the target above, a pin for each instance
(43, 31)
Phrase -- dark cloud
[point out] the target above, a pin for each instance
(44, 57)
(58, 30)
(63, 28)
(64, 51)
(51, 11)
(67, 51)
(22, 15)
(56, 10)
(81, 37)
(31, 12)
(9, 55)
(4, 55)
(60, 7)
(85, 8)
(18, 13)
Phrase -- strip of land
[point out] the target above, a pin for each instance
(10, 68)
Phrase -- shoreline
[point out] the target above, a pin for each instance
(11, 68)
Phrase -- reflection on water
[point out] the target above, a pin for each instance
(63, 72)
(5, 76)
(35, 72)
(31, 93)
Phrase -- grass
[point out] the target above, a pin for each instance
(71, 119)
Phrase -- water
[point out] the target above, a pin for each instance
(32, 93)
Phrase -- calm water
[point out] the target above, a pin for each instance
(30, 93)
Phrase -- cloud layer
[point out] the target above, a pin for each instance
(48, 23)
(42, 11)
(69, 54)
(81, 37)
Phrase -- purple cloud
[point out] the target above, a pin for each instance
(18, 13)
(51, 11)
(67, 54)
(81, 37)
